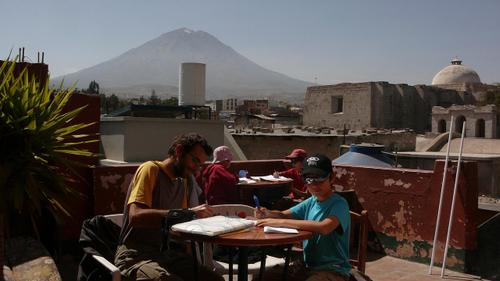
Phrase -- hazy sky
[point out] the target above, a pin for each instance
(335, 41)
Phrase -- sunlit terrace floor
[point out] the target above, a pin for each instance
(387, 268)
(378, 268)
(390, 268)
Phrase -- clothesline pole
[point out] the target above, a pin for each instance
(450, 222)
(438, 218)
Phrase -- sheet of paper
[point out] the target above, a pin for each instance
(283, 230)
(272, 178)
(247, 181)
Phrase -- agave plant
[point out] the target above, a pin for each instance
(36, 138)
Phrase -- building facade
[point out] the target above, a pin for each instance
(376, 105)
(359, 106)
(480, 121)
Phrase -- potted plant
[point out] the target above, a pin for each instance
(36, 138)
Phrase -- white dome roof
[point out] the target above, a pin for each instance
(456, 73)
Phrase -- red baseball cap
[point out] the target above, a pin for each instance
(297, 153)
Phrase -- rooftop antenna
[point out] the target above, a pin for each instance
(10, 53)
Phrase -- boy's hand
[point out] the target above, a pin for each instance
(270, 222)
(260, 213)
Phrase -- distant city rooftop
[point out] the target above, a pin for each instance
(313, 131)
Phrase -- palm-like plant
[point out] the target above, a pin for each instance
(36, 138)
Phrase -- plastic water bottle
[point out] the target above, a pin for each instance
(243, 173)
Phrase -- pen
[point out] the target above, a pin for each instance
(256, 200)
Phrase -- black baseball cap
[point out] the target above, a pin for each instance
(317, 165)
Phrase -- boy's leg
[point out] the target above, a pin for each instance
(326, 276)
(296, 272)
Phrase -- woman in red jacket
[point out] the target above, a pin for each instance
(219, 183)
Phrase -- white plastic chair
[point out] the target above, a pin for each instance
(225, 268)
(113, 270)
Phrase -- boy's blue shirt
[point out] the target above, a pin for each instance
(326, 252)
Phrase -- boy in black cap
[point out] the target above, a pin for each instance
(326, 214)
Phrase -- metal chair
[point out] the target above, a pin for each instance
(359, 226)
(101, 268)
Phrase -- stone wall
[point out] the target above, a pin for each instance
(398, 106)
(277, 146)
(379, 105)
(356, 109)
(470, 92)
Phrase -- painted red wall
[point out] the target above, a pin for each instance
(111, 182)
(403, 204)
(38, 70)
(82, 208)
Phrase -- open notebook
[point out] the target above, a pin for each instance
(213, 226)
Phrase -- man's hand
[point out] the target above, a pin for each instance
(202, 211)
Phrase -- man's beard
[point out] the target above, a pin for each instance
(180, 168)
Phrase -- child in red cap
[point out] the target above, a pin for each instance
(297, 157)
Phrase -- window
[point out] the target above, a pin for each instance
(337, 104)
(459, 124)
(480, 128)
(441, 126)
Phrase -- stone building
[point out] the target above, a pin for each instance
(375, 105)
(480, 121)
(383, 105)
(253, 107)
(229, 104)
(225, 105)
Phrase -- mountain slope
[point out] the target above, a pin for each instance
(156, 62)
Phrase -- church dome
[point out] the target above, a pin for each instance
(456, 73)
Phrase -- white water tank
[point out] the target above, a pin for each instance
(192, 84)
